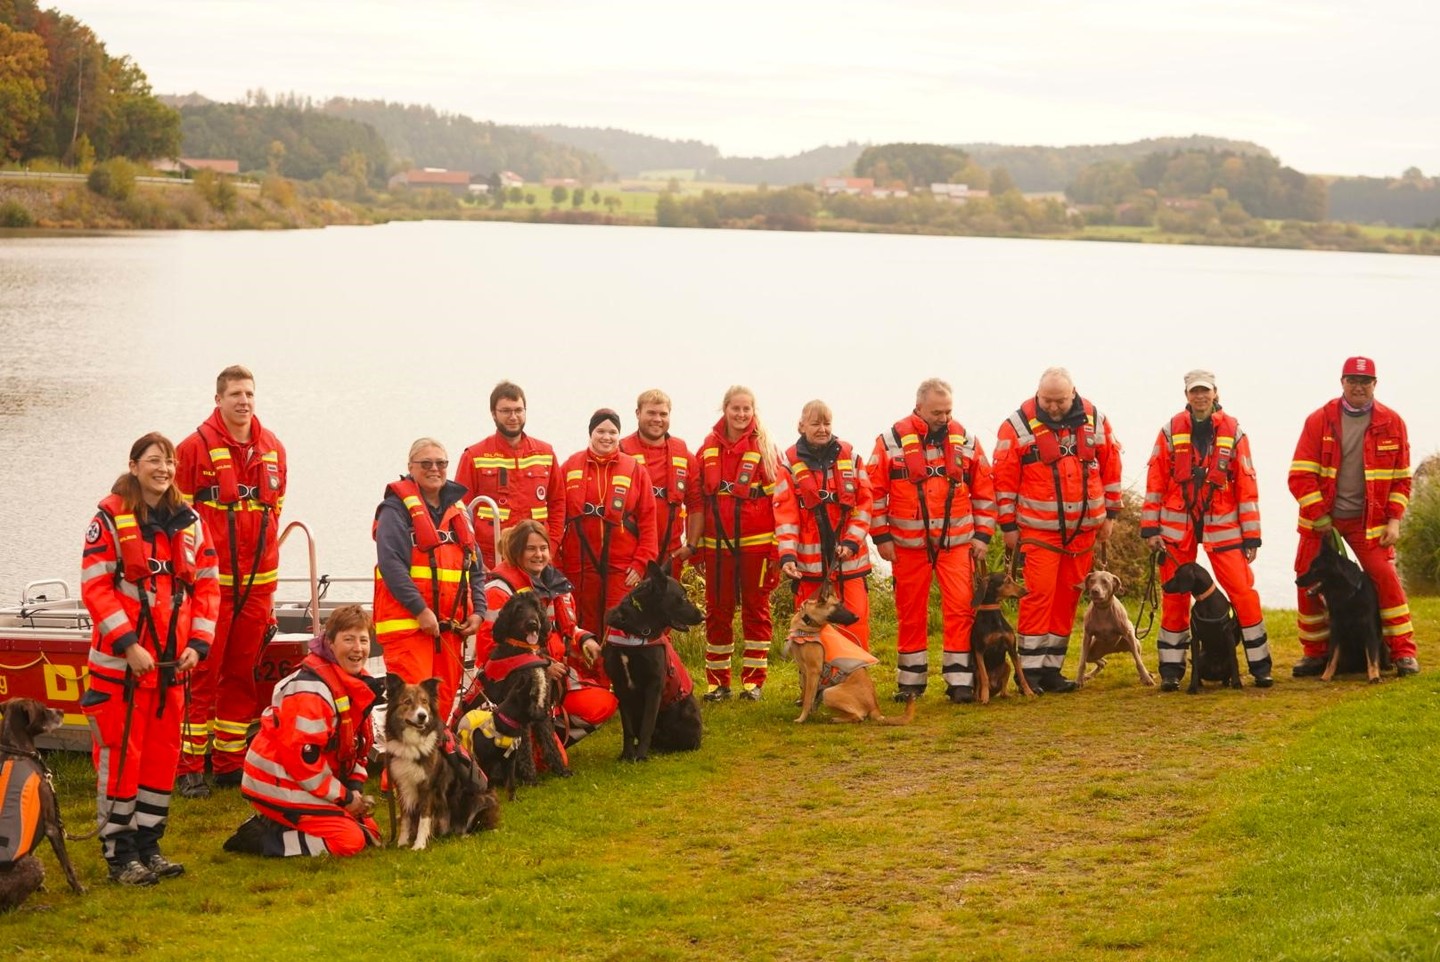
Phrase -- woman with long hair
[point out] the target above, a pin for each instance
(738, 468)
(150, 580)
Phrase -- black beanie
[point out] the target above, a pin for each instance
(604, 414)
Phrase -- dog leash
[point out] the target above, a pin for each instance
(1149, 600)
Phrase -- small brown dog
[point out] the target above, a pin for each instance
(992, 639)
(27, 799)
(1107, 630)
(833, 665)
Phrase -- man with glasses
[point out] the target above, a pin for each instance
(518, 471)
(1351, 476)
(232, 472)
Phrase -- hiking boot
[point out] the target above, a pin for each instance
(961, 695)
(1169, 684)
(249, 838)
(1406, 666)
(1264, 681)
(229, 779)
(132, 873)
(1310, 666)
(192, 785)
(908, 693)
(1051, 681)
(718, 693)
(163, 867)
(751, 693)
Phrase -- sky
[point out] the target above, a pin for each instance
(1328, 86)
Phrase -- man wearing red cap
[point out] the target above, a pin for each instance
(1200, 489)
(1351, 475)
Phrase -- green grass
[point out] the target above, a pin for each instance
(1301, 822)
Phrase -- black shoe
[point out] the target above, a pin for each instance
(961, 695)
(1308, 667)
(132, 873)
(249, 838)
(907, 693)
(1406, 666)
(229, 779)
(192, 785)
(1264, 681)
(1170, 684)
(163, 867)
(1055, 683)
(718, 693)
(751, 693)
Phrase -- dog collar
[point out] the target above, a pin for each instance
(987, 607)
(1208, 592)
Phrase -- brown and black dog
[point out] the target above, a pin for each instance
(1108, 629)
(833, 665)
(992, 639)
(23, 773)
(1356, 636)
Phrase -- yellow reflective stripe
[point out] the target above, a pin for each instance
(540, 513)
(957, 439)
(1308, 499)
(125, 521)
(484, 513)
(219, 454)
(1395, 612)
(621, 481)
(753, 540)
(272, 456)
(1404, 628)
(411, 501)
(711, 453)
(1386, 474)
(1310, 467)
(261, 578)
(909, 439)
(575, 475)
(1399, 499)
(1180, 438)
(342, 703)
(676, 462)
(1225, 442)
(447, 575)
(1372, 533)
(396, 624)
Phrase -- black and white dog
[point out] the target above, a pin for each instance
(1356, 642)
(657, 701)
(1214, 629)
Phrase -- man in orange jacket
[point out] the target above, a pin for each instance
(1351, 476)
(934, 515)
(674, 479)
(1057, 482)
(1200, 487)
(232, 471)
(521, 473)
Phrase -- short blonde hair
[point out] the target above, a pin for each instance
(652, 396)
(420, 444)
(816, 408)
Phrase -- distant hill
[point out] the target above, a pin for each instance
(1040, 168)
(310, 143)
(1411, 200)
(192, 99)
(627, 154)
(802, 168)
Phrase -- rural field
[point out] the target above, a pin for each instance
(1302, 822)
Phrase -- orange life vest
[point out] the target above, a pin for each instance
(808, 490)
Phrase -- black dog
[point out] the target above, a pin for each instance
(24, 771)
(1354, 606)
(644, 669)
(1214, 629)
(523, 698)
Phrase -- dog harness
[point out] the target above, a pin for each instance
(20, 808)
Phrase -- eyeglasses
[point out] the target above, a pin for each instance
(432, 465)
(509, 412)
(158, 462)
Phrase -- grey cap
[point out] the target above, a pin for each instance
(1200, 378)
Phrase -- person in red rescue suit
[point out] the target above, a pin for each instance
(674, 480)
(738, 468)
(1057, 487)
(520, 473)
(150, 581)
(232, 471)
(1200, 488)
(609, 522)
(429, 594)
(305, 771)
(934, 517)
(1351, 475)
(573, 653)
(822, 515)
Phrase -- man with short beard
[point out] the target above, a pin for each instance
(518, 471)
(674, 479)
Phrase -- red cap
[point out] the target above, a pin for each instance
(1359, 367)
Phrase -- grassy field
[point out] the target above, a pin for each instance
(1302, 822)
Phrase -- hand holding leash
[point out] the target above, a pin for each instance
(590, 650)
(188, 659)
(428, 623)
(141, 662)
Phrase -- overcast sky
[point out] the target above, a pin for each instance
(1329, 86)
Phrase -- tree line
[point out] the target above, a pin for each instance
(63, 96)
(1410, 200)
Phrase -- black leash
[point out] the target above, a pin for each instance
(1149, 599)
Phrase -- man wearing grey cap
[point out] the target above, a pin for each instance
(1200, 489)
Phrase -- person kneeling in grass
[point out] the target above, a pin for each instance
(305, 770)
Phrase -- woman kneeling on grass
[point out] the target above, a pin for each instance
(305, 770)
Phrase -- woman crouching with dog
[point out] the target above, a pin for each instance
(524, 565)
(305, 771)
(150, 581)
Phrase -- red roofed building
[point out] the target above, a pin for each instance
(456, 182)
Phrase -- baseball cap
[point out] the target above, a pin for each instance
(1200, 378)
(1358, 367)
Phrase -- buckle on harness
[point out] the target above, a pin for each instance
(727, 487)
(657, 492)
(158, 567)
(248, 493)
(589, 510)
(827, 496)
(934, 470)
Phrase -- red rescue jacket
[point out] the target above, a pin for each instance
(929, 496)
(1387, 467)
(440, 561)
(734, 481)
(1226, 503)
(1064, 480)
(675, 483)
(525, 482)
(813, 506)
(609, 516)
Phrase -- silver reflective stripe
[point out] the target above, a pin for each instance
(112, 623)
(311, 726)
(99, 659)
(99, 569)
(203, 625)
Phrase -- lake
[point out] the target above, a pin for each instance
(362, 339)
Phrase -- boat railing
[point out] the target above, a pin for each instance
(489, 502)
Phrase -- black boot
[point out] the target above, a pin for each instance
(1055, 683)
(960, 694)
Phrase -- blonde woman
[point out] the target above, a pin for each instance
(738, 468)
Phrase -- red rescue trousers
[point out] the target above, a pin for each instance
(854, 595)
(136, 788)
(587, 598)
(585, 707)
(1053, 578)
(913, 575)
(1379, 564)
(1237, 580)
(338, 835)
(413, 656)
(758, 578)
(224, 696)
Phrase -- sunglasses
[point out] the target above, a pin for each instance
(432, 465)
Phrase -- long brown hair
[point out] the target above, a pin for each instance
(513, 540)
(127, 486)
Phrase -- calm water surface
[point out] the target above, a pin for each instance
(363, 339)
